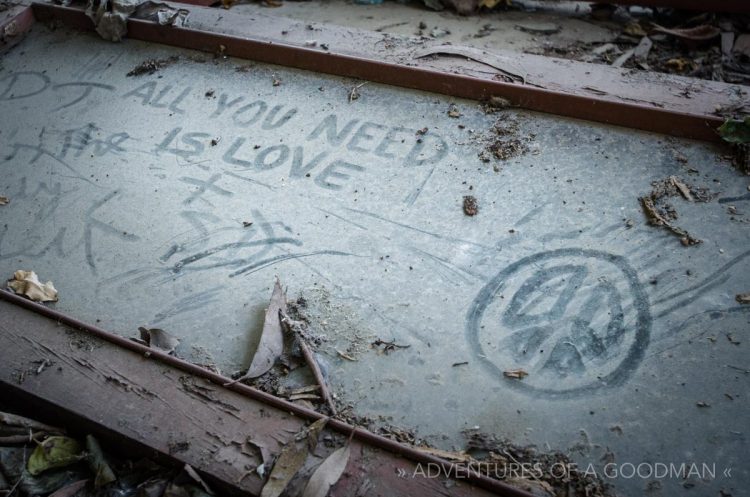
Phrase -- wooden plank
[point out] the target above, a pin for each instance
(174, 413)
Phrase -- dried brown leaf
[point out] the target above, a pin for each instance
(307, 389)
(196, 477)
(743, 298)
(682, 188)
(27, 283)
(518, 374)
(328, 473)
(698, 33)
(446, 454)
(4, 200)
(304, 396)
(271, 343)
(292, 458)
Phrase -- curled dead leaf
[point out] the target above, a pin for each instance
(98, 464)
(271, 343)
(156, 338)
(518, 374)
(27, 283)
(292, 457)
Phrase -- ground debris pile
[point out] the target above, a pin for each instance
(700, 45)
(528, 468)
(287, 343)
(150, 66)
(37, 459)
(660, 212)
(504, 141)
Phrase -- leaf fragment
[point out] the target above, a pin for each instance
(27, 283)
(4, 200)
(743, 298)
(156, 338)
(292, 458)
(733, 131)
(271, 343)
(518, 374)
(328, 473)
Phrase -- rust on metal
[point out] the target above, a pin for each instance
(632, 115)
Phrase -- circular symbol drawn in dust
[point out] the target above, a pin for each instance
(574, 319)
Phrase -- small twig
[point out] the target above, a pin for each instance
(388, 346)
(354, 92)
(345, 356)
(311, 363)
(13, 488)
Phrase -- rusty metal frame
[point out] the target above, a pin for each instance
(620, 112)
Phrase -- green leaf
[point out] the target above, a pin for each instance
(735, 131)
(54, 452)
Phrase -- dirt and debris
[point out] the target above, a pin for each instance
(4, 200)
(298, 332)
(489, 453)
(150, 66)
(495, 104)
(504, 141)
(453, 111)
(743, 298)
(27, 283)
(660, 212)
(470, 205)
(386, 347)
(287, 343)
(706, 46)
